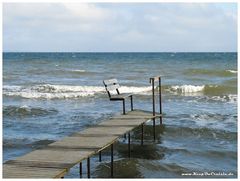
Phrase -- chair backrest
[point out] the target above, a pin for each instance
(111, 85)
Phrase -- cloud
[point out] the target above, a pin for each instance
(119, 27)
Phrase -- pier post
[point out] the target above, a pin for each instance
(88, 167)
(124, 112)
(100, 156)
(142, 134)
(111, 160)
(154, 129)
(80, 169)
(131, 103)
(129, 147)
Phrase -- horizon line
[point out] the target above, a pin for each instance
(119, 52)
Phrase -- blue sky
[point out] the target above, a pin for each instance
(120, 27)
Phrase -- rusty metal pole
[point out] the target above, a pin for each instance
(111, 160)
(88, 167)
(80, 169)
(153, 97)
(160, 100)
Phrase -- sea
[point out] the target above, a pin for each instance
(47, 96)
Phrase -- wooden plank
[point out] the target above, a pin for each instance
(118, 131)
(55, 157)
(122, 122)
(138, 112)
(110, 81)
(84, 142)
(13, 171)
(27, 163)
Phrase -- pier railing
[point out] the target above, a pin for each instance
(152, 81)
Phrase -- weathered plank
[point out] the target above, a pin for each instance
(84, 142)
(15, 171)
(55, 157)
(116, 131)
(122, 122)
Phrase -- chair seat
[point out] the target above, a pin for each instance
(119, 97)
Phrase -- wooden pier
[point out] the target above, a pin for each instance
(56, 159)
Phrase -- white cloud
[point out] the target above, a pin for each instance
(119, 27)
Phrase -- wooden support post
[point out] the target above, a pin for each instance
(129, 147)
(124, 112)
(80, 169)
(131, 103)
(111, 160)
(160, 99)
(100, 156)
(142, 135)
(88, 167)
(154, 129)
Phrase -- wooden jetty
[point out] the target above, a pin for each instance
(56, 159)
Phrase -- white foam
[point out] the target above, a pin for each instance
(231, 98)
(232, 71)
(80, 71)
(187, 88)
(48, 91)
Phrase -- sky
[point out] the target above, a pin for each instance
(119, 27)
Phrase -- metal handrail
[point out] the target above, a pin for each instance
(153, 80)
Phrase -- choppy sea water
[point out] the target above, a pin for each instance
(47, 96)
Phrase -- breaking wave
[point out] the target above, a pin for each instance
(186, 88)
(232, 71)
(221, 93)
(202, 89)
(48, 91)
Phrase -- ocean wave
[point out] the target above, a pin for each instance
(48, 91)
(187, 88)
(78, 70)
(213, 90)
(24, 111)
(218, 73)
(232, 71)
(201, 132)
(225, 98)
